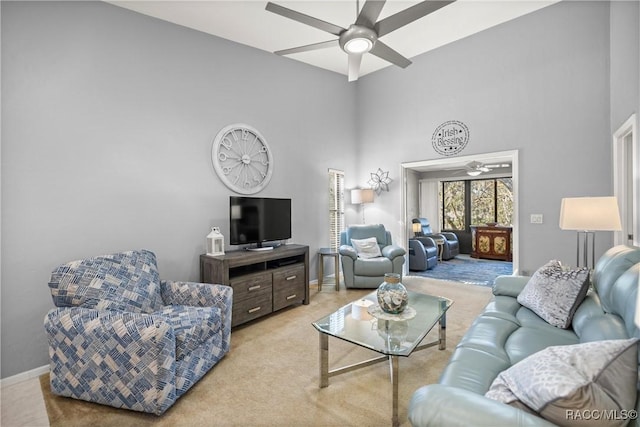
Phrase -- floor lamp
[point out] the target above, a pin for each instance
(360, 196)
(586, 215)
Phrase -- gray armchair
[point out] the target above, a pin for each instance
(423, 254)
(362, 272)
(451, 246)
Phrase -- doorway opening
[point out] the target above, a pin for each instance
(449, 169)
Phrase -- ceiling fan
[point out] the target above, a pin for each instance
(363, 36)
(476, 168)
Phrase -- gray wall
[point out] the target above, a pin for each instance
(625, 65)
(625, 61)
(538, 84)
(108, 118)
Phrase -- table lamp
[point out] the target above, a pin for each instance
(417, 228)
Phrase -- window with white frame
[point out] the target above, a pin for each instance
(336, 207)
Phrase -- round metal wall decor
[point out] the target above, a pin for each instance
(450, 138)
(242, 159)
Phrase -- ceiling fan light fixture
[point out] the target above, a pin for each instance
(474, 172)
(358, 45)
(357, 39)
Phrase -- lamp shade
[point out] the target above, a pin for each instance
(590, 214)
(361, 195)
(416, 227)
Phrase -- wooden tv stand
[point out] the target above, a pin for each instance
(262, 281)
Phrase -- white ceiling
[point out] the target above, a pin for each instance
(247, 22)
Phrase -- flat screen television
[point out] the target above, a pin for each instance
(258, 220)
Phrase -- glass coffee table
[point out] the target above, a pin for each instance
(362, 323)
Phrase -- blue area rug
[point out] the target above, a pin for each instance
(468, 270)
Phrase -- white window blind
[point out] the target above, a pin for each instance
(336, 207)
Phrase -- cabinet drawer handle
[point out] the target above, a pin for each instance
(254, 288)
(253, 310)
(291, 277)
(291, 296)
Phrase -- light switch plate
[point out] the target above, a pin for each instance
(536, 218)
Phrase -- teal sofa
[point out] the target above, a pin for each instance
(507, 332)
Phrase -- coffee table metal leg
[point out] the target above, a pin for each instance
(442, 332)
(393, 366)
(324, 360)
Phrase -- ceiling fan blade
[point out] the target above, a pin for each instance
(309, 47)
(408, 15)
(473, 165)
(383, 51)
(355, 60)
(370, 12)
(305, 19)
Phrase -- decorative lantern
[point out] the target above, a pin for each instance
(215, 242)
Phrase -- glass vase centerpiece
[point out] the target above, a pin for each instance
(392, 295)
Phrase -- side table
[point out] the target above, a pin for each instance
(440, 242)
(327, 252)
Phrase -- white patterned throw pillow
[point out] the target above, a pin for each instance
(554, 293)
(366, 248)
(592, 383)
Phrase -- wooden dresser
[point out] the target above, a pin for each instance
(491, 242)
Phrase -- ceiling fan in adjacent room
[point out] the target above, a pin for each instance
(476, 168)
(363, 36)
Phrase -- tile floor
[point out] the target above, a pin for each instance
(23, 405)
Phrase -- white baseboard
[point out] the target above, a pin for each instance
(24, 376)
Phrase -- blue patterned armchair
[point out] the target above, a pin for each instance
(122, 337)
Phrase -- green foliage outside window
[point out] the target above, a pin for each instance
(453, 206)
(489, 200)
(483, 201)
(505, 201)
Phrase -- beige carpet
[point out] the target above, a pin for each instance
(270, 376)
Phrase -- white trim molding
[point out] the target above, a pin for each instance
(24, 376)
(625, 158)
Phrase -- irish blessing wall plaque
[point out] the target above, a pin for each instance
(450, 138)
